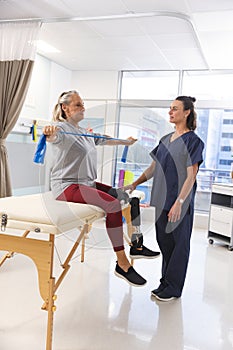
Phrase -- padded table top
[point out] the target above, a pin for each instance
(43, 213)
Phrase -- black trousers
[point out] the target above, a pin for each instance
(174, 243)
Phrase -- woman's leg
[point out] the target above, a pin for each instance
(177, 268)
(165, 241)
(137, 237)
(97, 196)
(138, 250)
(175, 248)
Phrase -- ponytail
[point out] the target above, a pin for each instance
(58, 112)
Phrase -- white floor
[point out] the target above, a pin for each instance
(98, 311)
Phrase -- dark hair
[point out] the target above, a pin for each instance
(188, 103)
(64, 98)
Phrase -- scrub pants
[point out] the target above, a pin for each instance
(108, 199)
(174, 244)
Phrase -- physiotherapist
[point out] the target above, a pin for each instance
(175, 164)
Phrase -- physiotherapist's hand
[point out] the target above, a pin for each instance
(131, 141)
(129, 188)
(175, 212)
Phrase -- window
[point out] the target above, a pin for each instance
(148, 125)
(225, 162)
(225, 148)
(215, 85)
(150, 85)
(228, 135)
(228, 121)
(149, 122)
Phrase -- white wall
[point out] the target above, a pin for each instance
(48, 81)
(102, 86)
(96, 85)
(37, 102)
(60, 81)
(91, 86)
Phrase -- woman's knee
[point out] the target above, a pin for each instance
(113, 207)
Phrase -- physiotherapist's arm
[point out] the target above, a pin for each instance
(127, 142)
(146, 175)
(175, 211)
(189, 182)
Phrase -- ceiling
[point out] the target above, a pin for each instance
(131, 34)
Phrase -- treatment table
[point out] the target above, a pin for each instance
(45, 217)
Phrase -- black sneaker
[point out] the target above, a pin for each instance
(164, 296)
(160, 288)
(142, 253)
(131, 276)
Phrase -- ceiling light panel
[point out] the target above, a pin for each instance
(24, 9)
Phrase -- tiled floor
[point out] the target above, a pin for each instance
(98, 311)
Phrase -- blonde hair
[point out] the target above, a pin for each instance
(64, 98)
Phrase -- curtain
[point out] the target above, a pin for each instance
(17, 54)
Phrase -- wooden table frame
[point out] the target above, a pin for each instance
(42, 253)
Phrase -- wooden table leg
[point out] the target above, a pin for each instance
(51, 309)
(41, 252)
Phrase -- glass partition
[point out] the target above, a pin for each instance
(148, 125)
(145, 100)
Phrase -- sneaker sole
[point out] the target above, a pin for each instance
(131, 283)
(143, 257)
(164, 299)
(154, 294)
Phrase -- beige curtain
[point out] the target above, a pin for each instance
(13, 88)
(17, 51)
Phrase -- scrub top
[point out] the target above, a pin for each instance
(172, 159)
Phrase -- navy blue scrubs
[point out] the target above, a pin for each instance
(172, 160)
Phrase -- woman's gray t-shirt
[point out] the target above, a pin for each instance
(74, 158)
